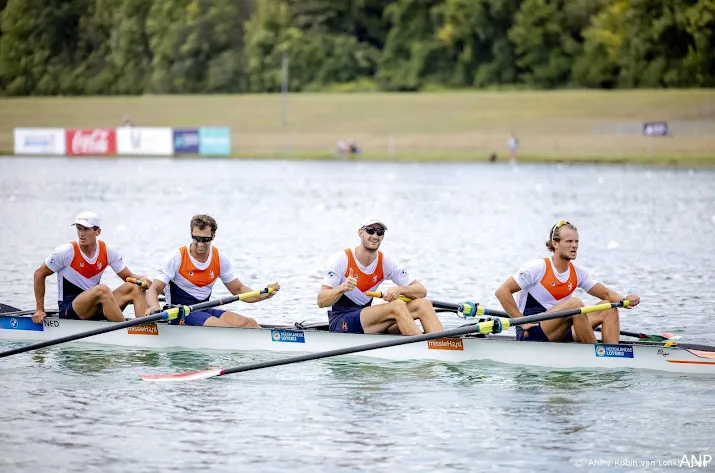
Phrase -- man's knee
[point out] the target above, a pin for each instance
(422, 304)
(574, 303)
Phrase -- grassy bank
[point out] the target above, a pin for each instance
(454, 126)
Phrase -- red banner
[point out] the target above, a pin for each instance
(92, 142)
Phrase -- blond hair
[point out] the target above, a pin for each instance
(555, 234)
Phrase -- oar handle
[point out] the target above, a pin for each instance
(136, 281)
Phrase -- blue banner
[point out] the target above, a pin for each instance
(291, 336)
(215, 141)
(186, 141)
(19, 323)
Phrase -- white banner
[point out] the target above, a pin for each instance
(43, 141)
(143, 141)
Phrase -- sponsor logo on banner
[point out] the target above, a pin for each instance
(186, 141)
(91, 142)
(614, 351)
(215, 141)
(20, 323)
(148, 329)
(445, 344)
(293, 336)
(145, 141)
(44, 141)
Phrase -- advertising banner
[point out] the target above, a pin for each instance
(91, 142)
(145, 141)
(186, 141)
(215, 141)
(42, 141)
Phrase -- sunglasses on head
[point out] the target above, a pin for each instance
(201, 239)
(558, 225)
(373, 230)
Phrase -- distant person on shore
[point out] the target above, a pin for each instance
(493, 158)
(127, 121)
(347, 147)
(513, 144)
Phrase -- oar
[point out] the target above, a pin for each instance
(468, 309)
(489, 326)
(648, 337)
(21, 313)
(168, 314)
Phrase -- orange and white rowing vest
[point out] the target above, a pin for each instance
(191, 284)
(549, 290)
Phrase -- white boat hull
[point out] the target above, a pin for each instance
(499, 349)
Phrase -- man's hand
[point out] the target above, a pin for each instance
(349, 284)
(276, 287)
(635, 300)
(391, 294)
(39, 316)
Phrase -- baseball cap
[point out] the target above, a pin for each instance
(373, 221)
(87, 219)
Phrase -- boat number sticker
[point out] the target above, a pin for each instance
(445, 344)
(20, 323)
(614, 351)
(292, 336)
(147, 329)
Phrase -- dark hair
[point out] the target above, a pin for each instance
(202, 221)
(555, 234)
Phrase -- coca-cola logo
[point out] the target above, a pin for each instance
(92, 142)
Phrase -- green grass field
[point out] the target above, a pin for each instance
(450, 126)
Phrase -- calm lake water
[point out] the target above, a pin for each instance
(460, 228)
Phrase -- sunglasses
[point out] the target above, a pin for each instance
(558, 225)
(373, 230)
(201, 239)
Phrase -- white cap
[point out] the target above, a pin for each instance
(373, 221)
(87, 219)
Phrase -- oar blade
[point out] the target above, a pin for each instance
(164, 378)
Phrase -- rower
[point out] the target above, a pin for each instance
(548, 285)
(188, 275)
(353, 272)
(79, 266)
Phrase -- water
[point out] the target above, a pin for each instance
(460, 228)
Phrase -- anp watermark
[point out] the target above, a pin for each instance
(686, 461)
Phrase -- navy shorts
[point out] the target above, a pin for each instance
(536, 334)
(67, 312)
(346, 321)
(198, 318)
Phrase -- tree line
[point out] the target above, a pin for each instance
(76, 47)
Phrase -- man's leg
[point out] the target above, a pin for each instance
(557, 329)
(129, 292)
(379, 318)
(422, 309)
(100, 298)
(231, 319)
(610, 324)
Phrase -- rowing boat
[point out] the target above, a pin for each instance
(311, 338)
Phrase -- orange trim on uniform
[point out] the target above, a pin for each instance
(365, 281)
(556, 288)
(199, 277)
(89, 270)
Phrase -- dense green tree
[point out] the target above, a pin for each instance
(51, 47)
